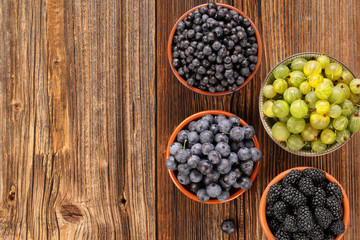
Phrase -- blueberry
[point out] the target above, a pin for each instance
(184, 168)
(214, 128)
(244, 154)
(171, 163)
(219, 137)
(216, 45)
(233, 157)
(245, 72)
(174, 147)
(255, 154)
(224, 126)
(193, 137)
(218, 32)
(235, 121)
(214, 176)
(228, 227)
(193, 161)
(247, 167)
(224, 196)
(204, 10)
(213, 190)
(182, 155)
(212, 5)
(202, 125)
(224, 166)
(205, 167)
(250, 31)
(180, 26)
(223, 148)
(206, 136)
(196, 149)
(240, 80)
(245, 183)
(196, 62)
(207, 50)
(249, 143)
(192, 126)
(252, 67)
(183, 178)
(218, 118)
(206, 148)
(237, 134)
(249, 132)
(182, 136)
(194, 187)
(214, 157)
(190, 34)
(195, 176)
(202, 195)
(230, 178)
(209, 118)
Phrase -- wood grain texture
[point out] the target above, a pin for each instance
(77, 88)
(88, 103)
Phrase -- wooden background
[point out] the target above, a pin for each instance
(88, 102)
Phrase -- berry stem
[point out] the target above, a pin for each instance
(184, 143)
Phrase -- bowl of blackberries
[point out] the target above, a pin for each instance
(309, 104)
(304, 203)
(213, 156)
(214, 49)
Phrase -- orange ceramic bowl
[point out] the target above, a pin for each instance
(184, 124)
(170, 41)
(277, 179)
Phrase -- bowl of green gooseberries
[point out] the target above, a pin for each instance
(309, 104)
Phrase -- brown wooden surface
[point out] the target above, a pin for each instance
(88, 102)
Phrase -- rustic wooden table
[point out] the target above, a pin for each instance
(88, 103)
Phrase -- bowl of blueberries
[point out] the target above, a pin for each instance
(214, 49)
(304, 203)
(213, 156)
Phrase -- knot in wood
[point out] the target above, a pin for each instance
(71, 213)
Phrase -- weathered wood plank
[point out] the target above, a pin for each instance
(74, 99)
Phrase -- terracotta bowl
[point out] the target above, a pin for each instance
(184, 124)
(170, 41)
(267, 121)
(277, 179)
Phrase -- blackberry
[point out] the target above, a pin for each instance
(323, 216)
(338, 227)
(269, 211)
(334, 189)
(274, 193)
(319, 198)
(335, 207)
(316, 175)
(282, 235)
(306, 186)
(274, 225)
(300, 236)
(304, 219)
(280, 210)
(293, 196)
(291, 178)
(317, 233)
(290, 224)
